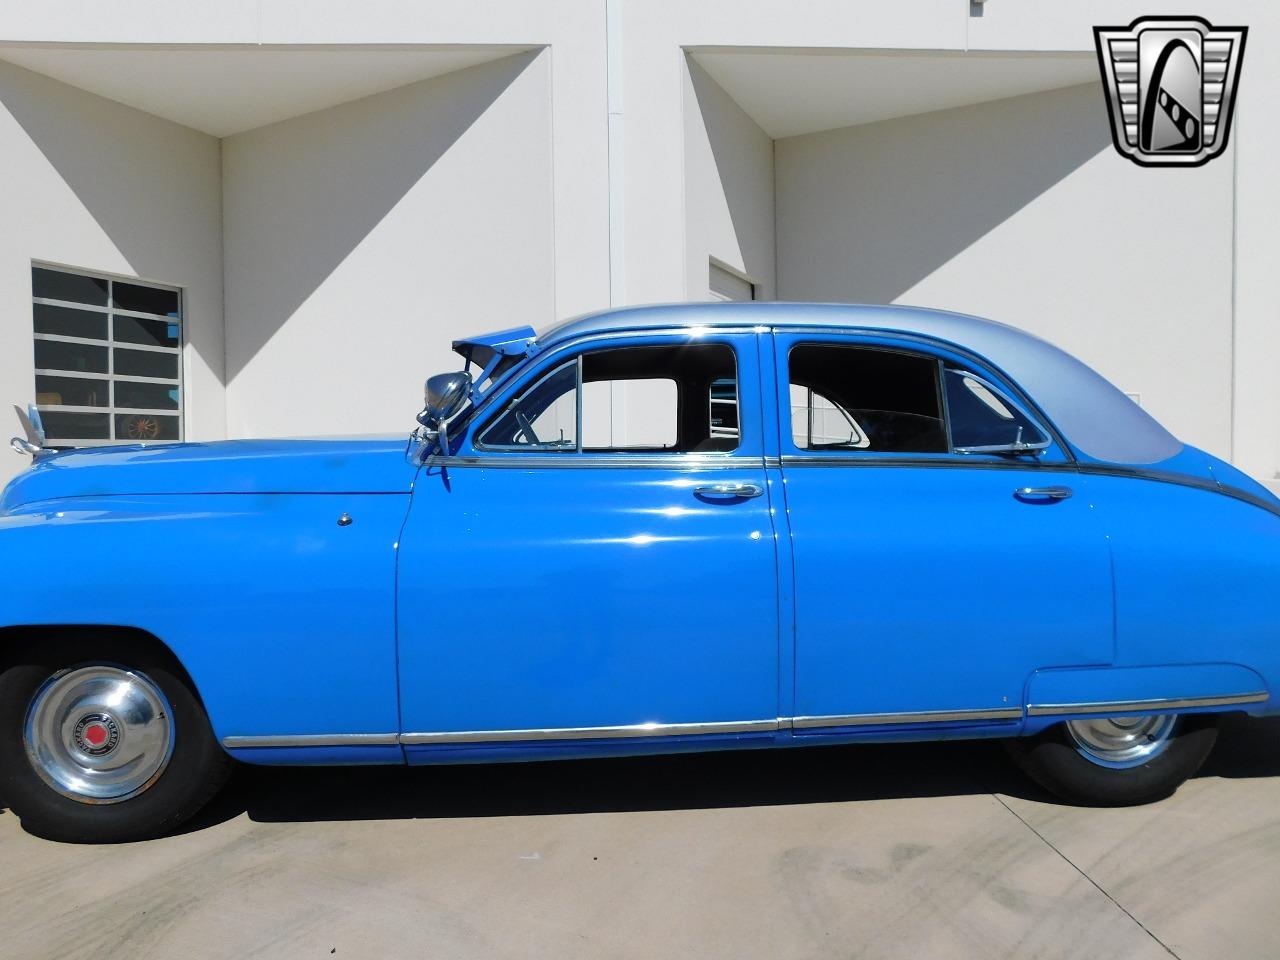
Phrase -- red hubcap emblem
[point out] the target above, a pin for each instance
(97, 734)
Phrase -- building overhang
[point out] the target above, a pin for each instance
(227, 89)
(790, 92)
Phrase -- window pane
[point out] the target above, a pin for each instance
(68, 286)
(890, 399)
(678, 399)
(981, 417)
(82, 357)
(145, 427)
(71, 392)
(68, 322)
(723, 409)
(75, 426)
(818, 422)
(543, 418)
(640, 399)
(629, 414)
(139, 363)
(153, 333)
(130, 409)
(129, 296)
(146, 396)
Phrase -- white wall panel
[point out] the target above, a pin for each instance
(1021, 210)
(362, 239)
(92, 184)
(728, 186)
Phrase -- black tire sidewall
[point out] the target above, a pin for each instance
(1053, 761)
(194, 772)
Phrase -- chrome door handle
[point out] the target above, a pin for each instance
(1042, 494)
(729, 491)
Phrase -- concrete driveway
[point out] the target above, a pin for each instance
(907, 851)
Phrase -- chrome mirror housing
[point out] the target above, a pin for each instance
(444, 395)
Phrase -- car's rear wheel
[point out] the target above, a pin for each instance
(104, 742)
(1117, 761)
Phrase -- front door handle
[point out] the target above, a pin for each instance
(1042, 494)
(728, 491)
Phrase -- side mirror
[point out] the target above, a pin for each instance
(444, 395)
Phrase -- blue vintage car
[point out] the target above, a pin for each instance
(656, 529)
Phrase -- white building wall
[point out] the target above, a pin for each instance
(1021, 211)
(361, 239)
(92, 184)
(1031, 25)
(685, 183)
(728, 188)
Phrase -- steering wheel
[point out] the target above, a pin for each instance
(527, 428)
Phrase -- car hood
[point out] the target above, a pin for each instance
(230, 466)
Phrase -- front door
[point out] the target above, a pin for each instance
(944, 547)
(594, 569)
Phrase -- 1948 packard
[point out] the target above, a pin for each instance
(649, 530)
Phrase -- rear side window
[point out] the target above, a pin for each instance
(983, 419)
(865, 398)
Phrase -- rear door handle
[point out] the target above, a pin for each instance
(1042, 494)
(728, 491)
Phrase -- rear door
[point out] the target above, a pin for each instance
(929, 582)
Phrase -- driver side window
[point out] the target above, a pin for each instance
(681, 398)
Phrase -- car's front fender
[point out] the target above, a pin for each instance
(283, 618)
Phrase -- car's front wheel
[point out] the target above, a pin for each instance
(1117, 761)
(104, 742)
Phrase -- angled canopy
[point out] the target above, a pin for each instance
(480, 350)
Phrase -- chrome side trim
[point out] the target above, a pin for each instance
(313, 740)
(957, 461)
(571, 460)
(1180, 480)
(1120, 708)
(592, 733)
(926, 716)
(620, 732)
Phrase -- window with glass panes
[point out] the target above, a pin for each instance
(108, 356)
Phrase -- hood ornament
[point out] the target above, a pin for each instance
(34, 444)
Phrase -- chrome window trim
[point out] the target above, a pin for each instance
(478, 441)
(933, 460)
(939, 349)
(497, 393)
(1122, 707)
(603, 461)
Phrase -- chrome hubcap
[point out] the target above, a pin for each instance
(99, 734)
(1121, 742)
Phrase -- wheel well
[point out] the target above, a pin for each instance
(16, 641)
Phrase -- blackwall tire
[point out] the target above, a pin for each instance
(1072, 766)
(79, 766)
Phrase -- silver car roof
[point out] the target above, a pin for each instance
(1092, 414)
